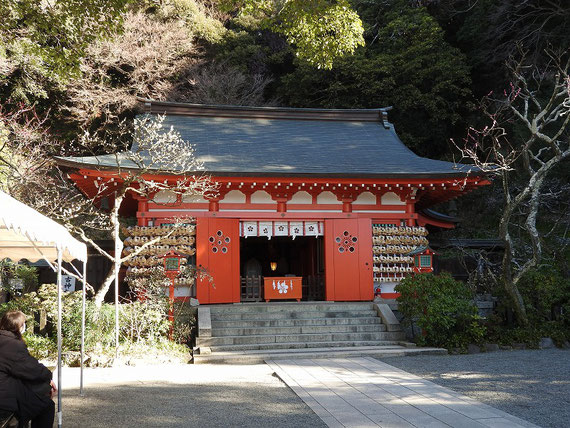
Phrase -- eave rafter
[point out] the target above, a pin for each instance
(423, 192)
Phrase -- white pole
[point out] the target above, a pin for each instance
(59, 418)
(117, 267)
(82, 326)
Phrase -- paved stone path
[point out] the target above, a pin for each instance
(183, 396)
(364, 392)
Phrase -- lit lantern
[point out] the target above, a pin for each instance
(273, 266)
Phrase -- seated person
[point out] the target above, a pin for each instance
(26, 386)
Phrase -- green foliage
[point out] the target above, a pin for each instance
(42, 42)
(546, 293)
(406, 63)
(528, 336)
(442, 308)
(144, 321)
(141, 324)
(28, 303)
(197, 19)
(40, 347)
(322, 31)
(10, 270)
(490, 31)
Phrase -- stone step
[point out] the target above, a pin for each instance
(248, 323)
(256, 331)
(227, 316)
(308, 337)
(260, 356)
(301, 345)
(291, 307)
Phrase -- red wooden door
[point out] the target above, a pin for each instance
(348, 259)
(217, 251)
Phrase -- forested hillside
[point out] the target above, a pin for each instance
(432, 60)
(480, 81)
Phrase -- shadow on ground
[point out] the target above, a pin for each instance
(161, 404)
(533, 385)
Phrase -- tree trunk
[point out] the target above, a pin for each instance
(102, 292)
(114, 218)
(507, 264)
(508, 283)
(517, 301)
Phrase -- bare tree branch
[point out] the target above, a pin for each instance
(543, 146)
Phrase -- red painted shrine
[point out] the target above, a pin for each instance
(314, 204)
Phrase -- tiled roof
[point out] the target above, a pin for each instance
(269, 141)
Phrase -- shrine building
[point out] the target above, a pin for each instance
(313, 204)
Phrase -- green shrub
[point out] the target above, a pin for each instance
(442, 308)
(546, 293)
(10, 270)
(141, 323)
(197, 18)
(39, 346)
(28, 303)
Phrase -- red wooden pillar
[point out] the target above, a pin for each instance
(142, 220)
(281, 199)
(347, 199)
(214, 204)
(281, 205)
(410, 209)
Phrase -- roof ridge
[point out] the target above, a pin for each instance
(251, 112)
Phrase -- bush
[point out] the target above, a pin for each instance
(143, 321)
(142, 325)
(39, 346)
(529, 336)
(27, 274)
(546, 293)
(442, 308)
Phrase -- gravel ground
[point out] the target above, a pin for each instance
(183, 396)
(533, 384)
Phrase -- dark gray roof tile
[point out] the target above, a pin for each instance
(279, 146)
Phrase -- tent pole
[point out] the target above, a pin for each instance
(117, 267)
(59, 414)
(82, 326)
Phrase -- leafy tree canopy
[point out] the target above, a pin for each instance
(322, 31)
(406, 63)
(42, 42)
(489, 31)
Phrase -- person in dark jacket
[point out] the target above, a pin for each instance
(26, 386)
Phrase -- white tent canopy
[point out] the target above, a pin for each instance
(27, 234)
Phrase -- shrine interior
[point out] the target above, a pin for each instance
(283, 256)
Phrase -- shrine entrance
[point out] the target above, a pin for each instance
(299, 259)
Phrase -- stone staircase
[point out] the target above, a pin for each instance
(254, 332)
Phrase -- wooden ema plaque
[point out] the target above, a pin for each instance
(283, 287)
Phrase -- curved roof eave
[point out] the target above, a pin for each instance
(102, 167)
